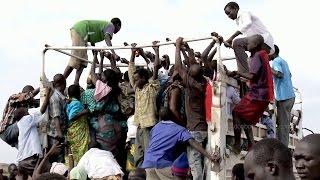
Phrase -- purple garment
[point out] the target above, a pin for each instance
(258, 89)
(164, 137)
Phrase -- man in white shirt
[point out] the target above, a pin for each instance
(29, 148)
(97, 164)
(248, 25)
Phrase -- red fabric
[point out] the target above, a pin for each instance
(208, 101)
(265, 64)
(250, 110)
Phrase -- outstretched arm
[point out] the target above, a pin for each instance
(46, 101)
(108, 38)
(55, 149)
(245, 75)
(101, 62)
(228, 43)
(156, 63)
(35, 92)
(191, 55)
(199, 148)
(94, 77)
(132, 68)
(144, 56)
(174, 104)
(178, 63)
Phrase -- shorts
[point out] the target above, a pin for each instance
(250, 110)
(77, 41)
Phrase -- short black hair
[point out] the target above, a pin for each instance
(12, 165)
(258, 39)
(238, 171)
(19, 113)
(232, 5)
(51, 176)
(74, 91)
(126, 76)
(271, 149)
(27, 88)
(143, 73)
(276, 50)
(116, 21)
(313, 140)
(58, 80)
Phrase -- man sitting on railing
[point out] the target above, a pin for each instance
(256, 100)
(92, 31)
(248, 25)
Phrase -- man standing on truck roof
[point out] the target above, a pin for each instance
(92, 31)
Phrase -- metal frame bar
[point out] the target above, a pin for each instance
(59, 49)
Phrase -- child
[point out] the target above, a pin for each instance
(78, 128)
(164, 140)
(251, 107)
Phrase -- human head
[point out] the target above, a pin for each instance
(268, 159)
(275, 54)
(307, 157)
(117, 24)
(51, 176)
(27, 88)
(255, 43)
(238, 172)
(141, 77)
(195, 71)
(59, 82)
(13, 170)
(74, 91)
(109, 76)
(19, 113)
(231, 10)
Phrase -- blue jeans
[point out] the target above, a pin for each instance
(195, 157)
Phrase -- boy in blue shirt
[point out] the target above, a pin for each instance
(284, 95)
(164, 140)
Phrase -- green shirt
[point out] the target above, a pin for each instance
(91, 30)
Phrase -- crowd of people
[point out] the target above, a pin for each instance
(152, 123)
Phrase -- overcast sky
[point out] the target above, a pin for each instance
(26, 25)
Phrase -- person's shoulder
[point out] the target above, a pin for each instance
(242, 13)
